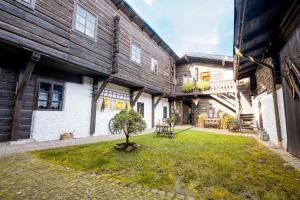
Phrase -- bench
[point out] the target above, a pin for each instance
(212, 123)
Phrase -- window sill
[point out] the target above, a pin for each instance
(50, 110)
(30, 5)
(94, 40)
(133, 61)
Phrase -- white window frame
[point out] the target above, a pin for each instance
(28, 3)
(154, 66)
(87, 12)
(135, 56)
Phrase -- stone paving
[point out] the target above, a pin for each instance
(24, 176)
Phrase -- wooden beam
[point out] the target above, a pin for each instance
(158, 100)
(154, 105)
(275, 104)
(120, 5)
(134, 100)
(21, 85)
(133, 18)
(95, 96)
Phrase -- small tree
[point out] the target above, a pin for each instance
(130, 122)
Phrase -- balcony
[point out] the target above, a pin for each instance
(219, 87)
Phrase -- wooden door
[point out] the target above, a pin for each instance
(7, 95)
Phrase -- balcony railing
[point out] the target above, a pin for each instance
(214, 88)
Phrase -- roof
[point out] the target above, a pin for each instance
(134, 17)
(190, 58)
(261, 28)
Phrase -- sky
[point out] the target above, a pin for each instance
(200, 26)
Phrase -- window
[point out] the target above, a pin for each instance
(154, 65)
(135, 54)
(205, 76)
(50, 96)
(227, 75)
(187, 78)
(165, 113)
(28, 3)
(85, 22)
(140, 108)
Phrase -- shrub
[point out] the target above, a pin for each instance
(202, 85)
(188, 87)
(172, 119)
(130, 122)
(227, 119)
(201, 119)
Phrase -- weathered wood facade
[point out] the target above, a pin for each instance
(268, 33)
(66, 54)
(217, 71)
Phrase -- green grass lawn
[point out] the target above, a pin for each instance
(208, 165)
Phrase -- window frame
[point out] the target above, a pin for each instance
(52, 83)
(152, 61)
(74, 20)
(165, 112)
(138, 108)
(206, 74)
(131, 53)
(30, 4)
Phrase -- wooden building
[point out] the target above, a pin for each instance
(217, 99)
(69, 66)
(267, 36)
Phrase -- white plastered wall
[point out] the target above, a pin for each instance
(159, 110)
(147, 100)
(268, 115)
(103, 118)
(75, 116)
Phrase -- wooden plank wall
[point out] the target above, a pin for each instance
(292, 106)
(216, 71)
(7, 94)
(48, 29)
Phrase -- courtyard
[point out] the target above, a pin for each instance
(194, 164)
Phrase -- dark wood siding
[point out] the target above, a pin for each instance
(48, 29)
(292, 106)
(7, 95)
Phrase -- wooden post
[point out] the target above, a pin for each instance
(275, 62)
(154, 105)
(134, 100)
(95, 96)
(21, 85)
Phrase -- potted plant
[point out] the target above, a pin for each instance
(130, 122)
(172, 120)
(201, 120)
(188, 87)
(202, 85)
(66, 135)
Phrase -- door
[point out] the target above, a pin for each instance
(7, 94)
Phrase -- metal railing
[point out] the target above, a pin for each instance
(214, 88)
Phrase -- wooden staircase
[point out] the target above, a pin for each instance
(228, 100)
(248, 123)
(247, 120)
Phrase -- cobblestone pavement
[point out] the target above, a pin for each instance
(24, 176)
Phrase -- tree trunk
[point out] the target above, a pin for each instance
(127, 140)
